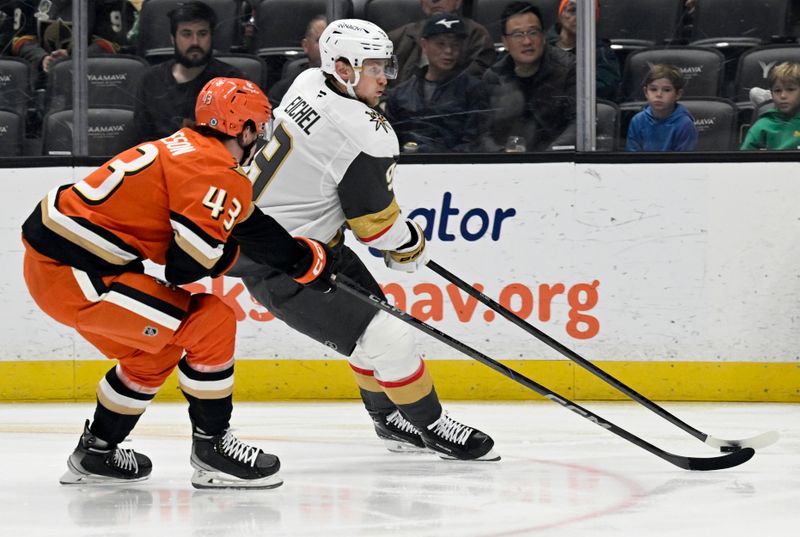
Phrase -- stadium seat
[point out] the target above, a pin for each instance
(293, 68)
(391, 14)
(282, 24)
(253, 67)
(15, 85)
(278, 38)
(12, 133)
(155, 42)
(488, 12)
(754, 65)
(113, 79)
(111, 130)
(739, 22)
(607, 125)
(702, 68)
(716, 122)
(644, 23)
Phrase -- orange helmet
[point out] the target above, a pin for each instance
(225, 104)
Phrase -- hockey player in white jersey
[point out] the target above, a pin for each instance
(330, 164)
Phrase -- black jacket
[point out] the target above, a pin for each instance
(451, 121)
(545, 116)
(162, 103)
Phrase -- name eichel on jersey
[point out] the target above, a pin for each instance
(302, 113)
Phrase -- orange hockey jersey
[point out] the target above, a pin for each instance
(174, 201)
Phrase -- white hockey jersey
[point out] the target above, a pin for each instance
(330, 162)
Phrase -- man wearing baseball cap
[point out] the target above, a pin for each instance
(438, 109)
(478, 53)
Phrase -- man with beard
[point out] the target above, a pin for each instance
(168, 91)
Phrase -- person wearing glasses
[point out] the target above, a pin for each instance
(531, 89)
(439, 109)
(478, 53)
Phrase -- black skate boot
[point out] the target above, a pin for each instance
(453, 440)
(95, 462)
(224, 461)
(398, 434)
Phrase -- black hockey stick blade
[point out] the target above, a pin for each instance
(687, 463)
(755, 442)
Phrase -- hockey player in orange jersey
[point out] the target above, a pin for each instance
(185, 203)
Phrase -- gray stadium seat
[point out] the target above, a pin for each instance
(391, 14)
(12, 133)
(487, 13)
(754, 65)
(607, 125)
(154, 33)
(643, 23)
(281, 35)
(15, 85)
(740, 21)
(716, 122)
(253, 67)
(278, 37)
(111, 131)
(113, 79)
(703, 69)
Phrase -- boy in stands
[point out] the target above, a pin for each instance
(779, 128)
(664, 124)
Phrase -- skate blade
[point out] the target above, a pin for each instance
(203, 479)
(491, 456)
(396, 446)
(71, 477)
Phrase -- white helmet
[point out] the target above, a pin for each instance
(355, 40)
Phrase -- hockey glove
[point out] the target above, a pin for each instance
(317, 266)
(230, 254)
(410, 256)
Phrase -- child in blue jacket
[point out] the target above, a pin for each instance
(663, 125)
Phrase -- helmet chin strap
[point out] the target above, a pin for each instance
(349, 86)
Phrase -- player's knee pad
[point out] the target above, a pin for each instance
(389, 348)
(209, 333)
(215, 314)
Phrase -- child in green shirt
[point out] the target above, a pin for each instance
(779, 128)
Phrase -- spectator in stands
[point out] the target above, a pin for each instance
(563, 36)
(532, 89)
(779, 128)
(438, 109)
(310, 44)
(167, 92)
(477, 55)
(41, 32)
(664, 124)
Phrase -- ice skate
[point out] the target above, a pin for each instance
(224, 461)
(94, 462)
(453, 440)
(398, 434)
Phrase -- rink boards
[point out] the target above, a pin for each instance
(682, 280)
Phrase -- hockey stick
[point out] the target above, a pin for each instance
(755, 442)
(687, 463)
